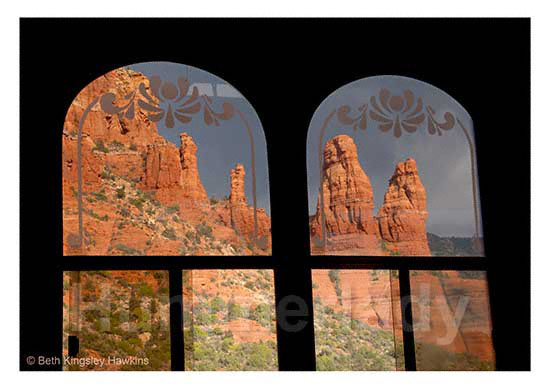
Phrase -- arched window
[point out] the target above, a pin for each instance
(164, 159)
(392, 173)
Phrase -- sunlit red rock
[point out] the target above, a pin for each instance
(351, 228)
(403, 214)
(143, 195)
(242, 215)
(347, 198)
(190, 179)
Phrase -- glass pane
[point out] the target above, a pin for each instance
(121, 320)
(392, 171)
(173, 161)
(229, 320)
(452, 321)
(357, 320)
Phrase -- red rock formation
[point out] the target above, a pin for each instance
(174, 174)
(128, 138)
(366, 295)
(403, 215)
(452, 312)
(237, 195)
(142, 194)
(348, 199)
(190, 178)
(242, 215)
(139, 131)
(351, 228)
(162, 167)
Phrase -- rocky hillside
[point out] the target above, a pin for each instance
(123, 315)
(352, 229)
(357, 320)
(229, 320)
(454, 246)
(142, 194)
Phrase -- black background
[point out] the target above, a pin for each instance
(285, 68)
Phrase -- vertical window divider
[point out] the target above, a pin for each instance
(406, 315)
(177, 349)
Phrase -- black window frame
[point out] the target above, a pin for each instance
(292, 265)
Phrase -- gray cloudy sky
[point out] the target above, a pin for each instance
(443, 161)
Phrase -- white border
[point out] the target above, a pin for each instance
(460, 8)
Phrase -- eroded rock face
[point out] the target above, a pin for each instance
(242, 215)
(237, 195)
(348, 199)
(365, 295)
(162, 167)
(190, 178)
(403, 215)
(453, 312)
(351, 227)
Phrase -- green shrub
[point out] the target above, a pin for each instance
(204, 230)
(250, 285)
(334, 276)
(146, 290)
(116, 145)
(169, 233)
(106, 174)
(121, 192)
(127, 250)
(173, 208)
(217, 304)
(100, 196)
(137, 202)
(100, 146)
(262, 314)
(234, 311)
(92, 213)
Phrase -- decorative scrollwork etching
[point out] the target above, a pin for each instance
(399, 113)
(164, 100)
(169, 102)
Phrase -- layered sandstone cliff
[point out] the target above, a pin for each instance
(347, 200)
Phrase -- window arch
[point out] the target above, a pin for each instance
(392, 171)
(164, 159)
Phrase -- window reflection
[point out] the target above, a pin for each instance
(357, 320)
(452, 322)
(121, 320)
(229, 320)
